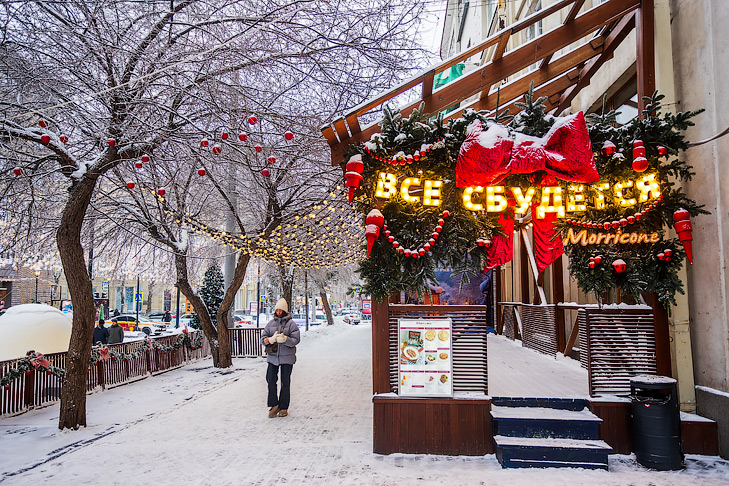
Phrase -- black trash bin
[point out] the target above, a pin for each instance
(656, 422)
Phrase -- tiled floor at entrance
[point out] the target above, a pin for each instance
(515, 371)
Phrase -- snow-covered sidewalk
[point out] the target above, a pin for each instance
(197, 425)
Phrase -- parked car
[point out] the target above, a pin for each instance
(129, 323)
(184, 319)
(156, 316)
(243, 321)
(300, 319)
(352, 318)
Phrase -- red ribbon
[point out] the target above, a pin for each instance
(104, 354)
(488, 156)
(39, 361)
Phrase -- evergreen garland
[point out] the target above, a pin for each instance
(386, 271)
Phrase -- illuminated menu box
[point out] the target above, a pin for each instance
(425, 361)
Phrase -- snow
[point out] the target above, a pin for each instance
(371, 146)
(712, 390)
(198, 425)
(692, 417)
(551, 442)
(400, 137)
(39, 327)
(622, 305)
(654, 379)
(356, 158)
(542, 413)
(184, 239)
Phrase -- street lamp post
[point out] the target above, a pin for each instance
(37, 274)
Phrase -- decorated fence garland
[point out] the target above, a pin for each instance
(30, 363)
(565, 179)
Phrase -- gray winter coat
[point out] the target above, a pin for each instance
(286, 353)
(116, 334)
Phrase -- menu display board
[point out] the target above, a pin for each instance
(425, 361)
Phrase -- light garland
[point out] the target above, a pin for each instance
(623, 222)
(421, 251)
(401, 158)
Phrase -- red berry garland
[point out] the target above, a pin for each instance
(421, 251)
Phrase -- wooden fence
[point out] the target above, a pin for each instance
(470, 364)
(246, 342)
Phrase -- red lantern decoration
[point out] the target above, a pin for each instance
(374, 222)
(45, 138)
(161, 192)
(272, 160)
(661, 150)
(145, 158)
(17, 171)
(289, 136)
(137, 165)
(217, 149)
(204, 142)
(608, 148)
(390, 238)
(63, 139)
(353, 176)
(43, 123)
(258, 148)
(130, 185)
(265, 173)
(242, 137)
(682, 225)
(201, 172)
(426, 247)
(111, 142)
(598, 259)
(224, 135)
(252, 120)
(640, 164)
(591, 264)
(619, 265)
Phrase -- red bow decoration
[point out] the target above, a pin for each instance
(39, 362)
(104, 354)
(488, 156)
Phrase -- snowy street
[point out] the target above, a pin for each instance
(200, 426)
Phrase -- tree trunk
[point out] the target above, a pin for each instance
(201, 310)
(150, 291)
(287, 285)
(325, 304)
(239, 275)
(72, 413)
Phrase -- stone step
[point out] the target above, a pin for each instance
(559, 403)
(545, 422)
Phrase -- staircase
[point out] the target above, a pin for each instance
(547, 432)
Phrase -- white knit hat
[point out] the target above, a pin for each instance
(281, 304)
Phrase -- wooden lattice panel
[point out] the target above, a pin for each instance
(539, 331)
(620, 344)
(470, 367)
(509, 319)
(582, 323)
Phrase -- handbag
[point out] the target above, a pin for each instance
(271, 348)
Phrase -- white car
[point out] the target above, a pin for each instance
(351, 318)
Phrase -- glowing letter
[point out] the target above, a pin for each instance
(599, 196)
(386, 186)
(522, 200)
(622, 201)
(405, 189)
(495, 200)
(648, 187)
(467, 192)
(431, 195)
(576, 199)
(556, 206)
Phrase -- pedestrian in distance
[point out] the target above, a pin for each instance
(281, 335)
(167, 317)
(116, 333)
(101, 334)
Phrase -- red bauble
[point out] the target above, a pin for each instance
(258, 148)
(640, 164)
(252, 120)
(631, 219)
(661, 256)
(598, 259)
(387, 233)
(426, 247)
(446, 213)
(45, 138)
(615, 225)
(145, 158)
(487, 243)
(401, 250)
(265, 173)
(7, 387)
(161, 192)
(606, 226)
(661, 150)
(289, 136)
(608, 148)
(17, 171)
(431, 241)
(623, 222)
(390, 238)
(422, 153)
(27, 373)
(407, 252)
(204, 142)
(668, 252)
(619, 265)
(111, 142)
(42, 123)
(591, 264)
(217, 149)
(242, 137)
(395, 244)
(63, 139)
(435, 235)
(439, 228)
(638, 216)
(137, 165)
(130, 185)
(421, 252)
(201, 172)
(441, 222)
(224, 135)
(272, 160)
(479, 242)
(416, 156)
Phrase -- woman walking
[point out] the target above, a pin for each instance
(281, 335)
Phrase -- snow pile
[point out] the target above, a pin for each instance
(40, 327)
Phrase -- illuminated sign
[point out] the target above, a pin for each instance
(617, 238)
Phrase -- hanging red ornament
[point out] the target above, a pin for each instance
(395, 244)
(401, 250)
(111, 142)
(265, 173)
(682, 225)
(421, 252)
(616, 224)
(390, 238)
(431, 241)
(137, 165)
(217, 149)
(606, 226)
(479, 242)
(204, 142)
(374, 222)
(441, 222)
(668, 252)
(288, 136)
(619, 265)
(272, 160)
(631, 219)
(7, 387)
(435, 235)
(242, 137)
(487, 243)
(638, 216)
(661, 256)
(426, 247)
(145, 158)
(598, 259)
(623, 222)
(161, 192)
(591, 264)
(407, 252)
(446, 213)
(258, 148)
(130, 185)
(608, 148)
(201, 172)
(387, 233)
(416, 156)
(439, 228)
(45, 138)
(224, 135)
(252, 120)
(353, 175)
(63, 139)
(17, 171)
(43, 123)
(409, 159)
(661, 150)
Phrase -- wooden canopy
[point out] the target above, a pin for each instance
(583, 43)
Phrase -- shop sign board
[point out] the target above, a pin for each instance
(425, 361)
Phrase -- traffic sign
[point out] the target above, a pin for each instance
(263, 298)
(138, 297)
(105, 285)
